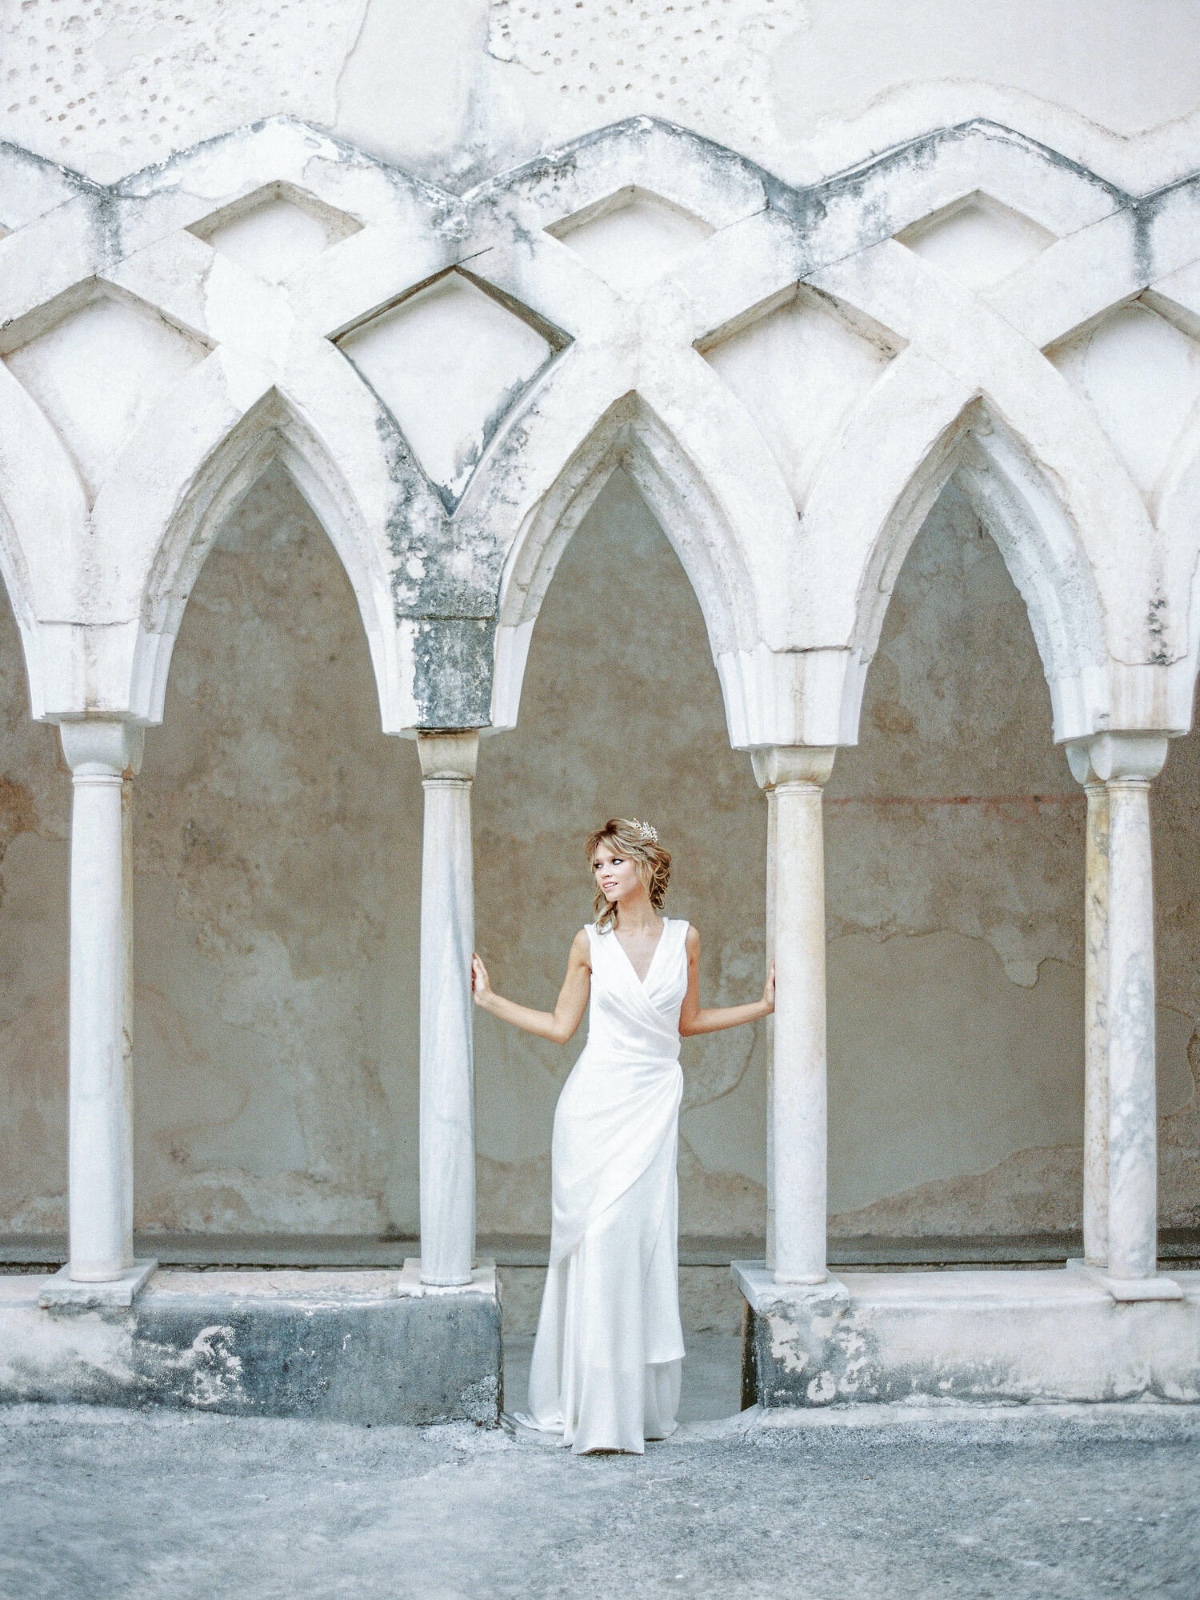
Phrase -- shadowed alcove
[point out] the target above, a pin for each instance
(277, 849)
(35, 807)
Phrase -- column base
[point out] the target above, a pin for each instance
(64, 1292)
(789, 1339)
(1129, 1289)
(482, 1280)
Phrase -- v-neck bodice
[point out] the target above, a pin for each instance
(653, 954)
(632, 1018)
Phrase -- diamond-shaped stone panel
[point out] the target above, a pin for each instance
(275, 230)
(1141, 376)
(976, 240)
(798, 370)
(448, 362)
(631, 237)
(99, 372)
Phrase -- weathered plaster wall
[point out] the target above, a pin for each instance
(278, 844)
(34, 820)
(447, 88)
(278, 837)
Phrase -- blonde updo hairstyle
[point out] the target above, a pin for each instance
(629, 839)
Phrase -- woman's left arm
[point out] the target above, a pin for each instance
(693, 1020)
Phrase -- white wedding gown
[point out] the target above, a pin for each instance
(606, 1361)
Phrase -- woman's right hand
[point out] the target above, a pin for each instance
(481, 984)
(768, 998)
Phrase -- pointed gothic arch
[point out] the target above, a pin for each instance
(272, 430)
(631, 435)
(1038, 539)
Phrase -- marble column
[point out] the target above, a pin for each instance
(447, 1057)
(772, 837)
(795, 776)
(1095, 1008)
(1127, 763)
(103, 755)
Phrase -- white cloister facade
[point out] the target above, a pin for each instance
(790, 375)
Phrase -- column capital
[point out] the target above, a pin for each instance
(1079, 758)
(102, 746)
(778, 765)
(448, 757)
(1120, 757)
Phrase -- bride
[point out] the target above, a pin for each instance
(606, 1361)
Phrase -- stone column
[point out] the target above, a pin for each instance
(103, 756)
(795, 775)
(1095, 1009)
(1127, 764)
(447, 1057)
(772, 844)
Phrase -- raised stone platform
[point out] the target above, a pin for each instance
(352, 1346)
(1039, 1335)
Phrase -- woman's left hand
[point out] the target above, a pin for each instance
(481, 987)
(768, 998)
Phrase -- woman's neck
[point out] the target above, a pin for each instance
(640, 917)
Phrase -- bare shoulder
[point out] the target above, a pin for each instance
(692, 942)
(581, 949)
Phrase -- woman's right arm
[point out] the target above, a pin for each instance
(558, 1025)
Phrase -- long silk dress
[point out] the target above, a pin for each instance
(606, 1361)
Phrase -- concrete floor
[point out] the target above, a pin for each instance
(1023, 1504)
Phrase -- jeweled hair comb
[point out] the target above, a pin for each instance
(644, 831)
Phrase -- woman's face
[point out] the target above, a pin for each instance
(616, 874)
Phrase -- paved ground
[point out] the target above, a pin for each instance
(96, 1505)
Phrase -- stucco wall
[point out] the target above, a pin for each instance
(446, 88)
(278, 837)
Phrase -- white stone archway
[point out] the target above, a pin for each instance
(629, 435)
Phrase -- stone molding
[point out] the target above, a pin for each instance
(448, 757)
(1128, 757)
(783, 766)
(99, 748)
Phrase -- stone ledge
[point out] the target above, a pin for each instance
(1178, 1248)
(344, 1346)
(1027, 1336)
(63, 1293)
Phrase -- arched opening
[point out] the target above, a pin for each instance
(272, 432)
(277, 856)
(35, 804)
(1039, 541)
(704, 534)
(622, 714)
(955, 903)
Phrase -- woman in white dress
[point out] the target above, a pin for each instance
(606, 1361)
